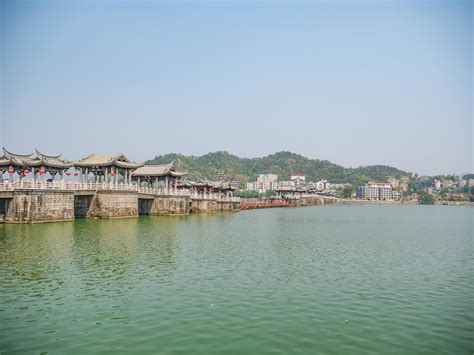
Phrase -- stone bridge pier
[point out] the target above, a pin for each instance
(36, 206)
(164, 205)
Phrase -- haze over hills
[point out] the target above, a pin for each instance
(281, 163)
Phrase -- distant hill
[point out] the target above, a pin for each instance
(281, 163)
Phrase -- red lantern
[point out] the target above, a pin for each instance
(10, 170)
(68, 173)
(41, 171)
(112, 173)
(75, 173)
(26, 171)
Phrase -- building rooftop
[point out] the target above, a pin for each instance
(97, 160)
(221, 185)
(28, 160)
(201, 183)
(158, 170)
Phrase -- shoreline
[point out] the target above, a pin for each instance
(438, 203)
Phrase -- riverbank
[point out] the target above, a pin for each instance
(368, 202)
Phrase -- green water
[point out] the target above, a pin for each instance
(255, 282)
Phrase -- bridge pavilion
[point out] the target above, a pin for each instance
(24, 164)
(201, 186)
(223, 188)
(159, 176)
(106, 168)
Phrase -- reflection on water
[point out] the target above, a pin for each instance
(250, 282)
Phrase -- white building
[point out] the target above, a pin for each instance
(322, 185)
(264, 183)
(280, 184)
(446, 184)
(267, 178)
(298, 178)
(375, 191)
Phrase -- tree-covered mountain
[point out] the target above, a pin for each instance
(283, 164)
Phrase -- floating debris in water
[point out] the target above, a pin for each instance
(346, 322)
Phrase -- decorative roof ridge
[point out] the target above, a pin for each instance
(166, 164)
(17, 155)
(47, 156)
(117, 156)
(86, 157)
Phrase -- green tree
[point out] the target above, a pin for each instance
(347, 191)
(426, 199)
(282, 163)
(270, 193)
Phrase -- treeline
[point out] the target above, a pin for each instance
(283, 164)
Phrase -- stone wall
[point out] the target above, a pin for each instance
(228, 206)
(113, 204)
(313, 201)
(170, 205)
(204, 206)
(35, 206)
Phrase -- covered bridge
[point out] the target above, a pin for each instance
(159, 176)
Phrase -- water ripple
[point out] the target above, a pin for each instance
(268, 281)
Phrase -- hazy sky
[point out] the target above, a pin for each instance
(356, 83)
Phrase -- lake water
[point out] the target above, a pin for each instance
(255, 282)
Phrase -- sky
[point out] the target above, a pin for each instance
(353, 82)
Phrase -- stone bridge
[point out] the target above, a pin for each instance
(40, 201)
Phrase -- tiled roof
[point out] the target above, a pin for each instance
(51, 160)
(107, 160)
(201, 183)
(28, 160)
(157, 170)
(221, 185)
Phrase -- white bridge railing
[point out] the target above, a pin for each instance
(81, 186)
(78, 186)
(325, 195)
(213, 196)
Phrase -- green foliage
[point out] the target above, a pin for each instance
(270, 193)
(418, 185)
(347, 191)
(426, 199)
(282, 163)
(381, 172)
(249, 194)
